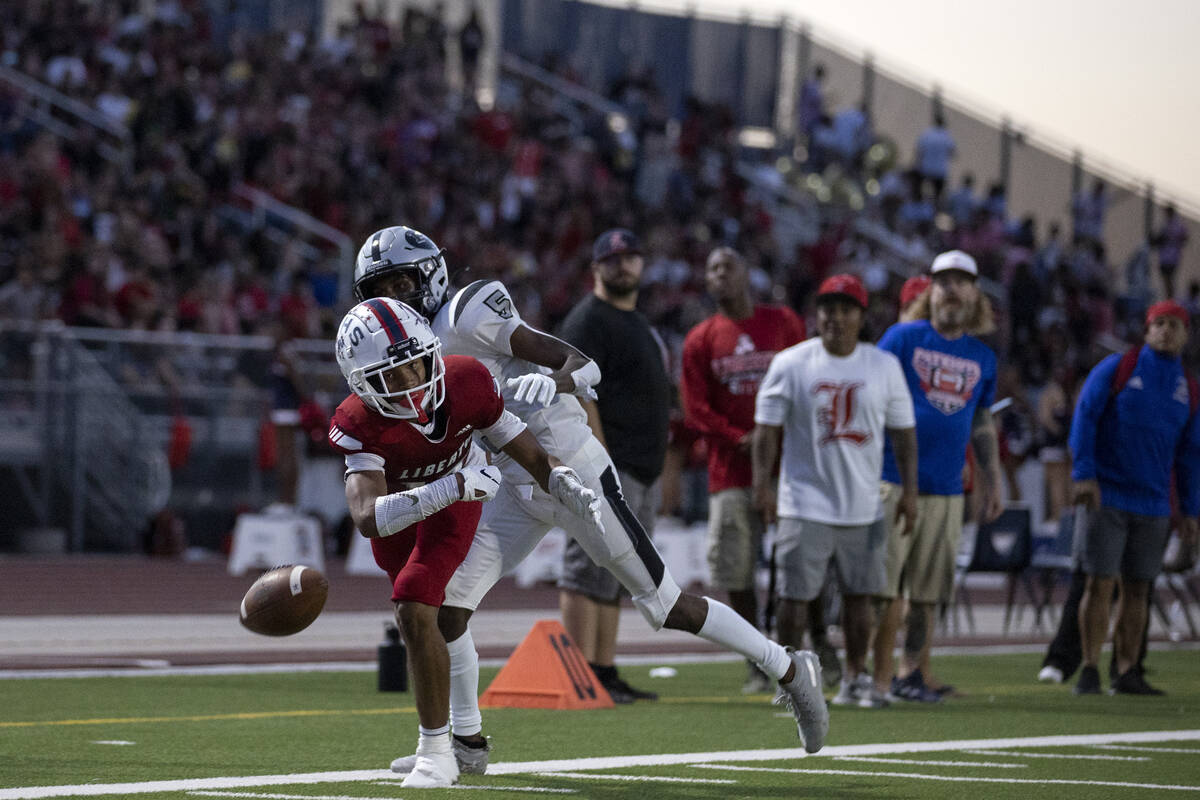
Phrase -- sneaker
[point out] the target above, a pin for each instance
(471, 760)
(618, 695)
(853, 691)
(625, 689)
(757, 681)
(831, 667)
(1132, 682)
(875, 699)
(432, 771)
(1050, 674)
(1089, 681)
(913, 689)
(803, 696)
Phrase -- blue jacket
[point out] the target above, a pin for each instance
(1129, 443)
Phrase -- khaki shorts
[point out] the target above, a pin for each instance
(735, 534)
(921, 564)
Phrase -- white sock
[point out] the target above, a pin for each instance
(464, 686)
(726, 627)
(436, 740)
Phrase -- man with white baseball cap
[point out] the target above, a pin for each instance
(952, 377)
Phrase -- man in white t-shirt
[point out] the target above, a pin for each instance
(828, 402)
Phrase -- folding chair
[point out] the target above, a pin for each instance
(1174, 588)
(1050, 562)
(1004, 546)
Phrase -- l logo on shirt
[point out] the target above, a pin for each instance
(947, 381)
(836, 418)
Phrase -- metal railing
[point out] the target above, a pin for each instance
(92, 413)
(64, 116)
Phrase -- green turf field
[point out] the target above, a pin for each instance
(702, 740)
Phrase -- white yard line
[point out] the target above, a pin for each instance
(608, 776)
(922, 763)
(1068, 756)
(955, 778)
(615, 762)
(1135, 748)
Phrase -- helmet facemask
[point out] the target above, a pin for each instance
(397, 250)
(397, 393)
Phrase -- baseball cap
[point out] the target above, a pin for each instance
(1167, 308)
(615, 242)
(954, 260)
(913, 287)
(844, 285)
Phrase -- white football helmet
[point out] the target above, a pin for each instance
(397, 249)
(376, 341)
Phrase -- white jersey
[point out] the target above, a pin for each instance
(479, 322)
(833, 411)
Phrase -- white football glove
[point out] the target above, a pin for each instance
(480, 483)
(566, 488)
(534, 388)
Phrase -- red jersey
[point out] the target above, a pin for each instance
(420, 559)
(724, 360)
(412, 458)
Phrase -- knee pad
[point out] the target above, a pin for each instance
(655, 605)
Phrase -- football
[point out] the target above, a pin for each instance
(284, 600)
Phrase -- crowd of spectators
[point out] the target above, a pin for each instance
(364, 129)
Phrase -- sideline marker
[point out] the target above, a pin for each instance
(546, 670)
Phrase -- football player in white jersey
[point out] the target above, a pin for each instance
(542, 378)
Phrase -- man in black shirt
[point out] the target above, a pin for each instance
(630, 416)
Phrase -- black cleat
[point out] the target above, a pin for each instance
(1132, 682)
(1089, 681)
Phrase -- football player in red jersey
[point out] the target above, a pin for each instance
(406, 434)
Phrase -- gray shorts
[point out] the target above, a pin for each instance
(804, 548)
(1122, 543)
(735, 534)
(580, 573)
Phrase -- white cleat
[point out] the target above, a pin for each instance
(854, 690)
(1050, 675)
(471, 760)
(804, 697)
(432, 771)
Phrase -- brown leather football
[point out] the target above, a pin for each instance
(284, 600)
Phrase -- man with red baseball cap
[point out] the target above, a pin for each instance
(1134, 423)
(825, 404)
(910, 292)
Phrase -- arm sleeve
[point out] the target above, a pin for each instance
(1086, 421)
(694, 385)
(774, 399)
(505, 429)
(364, 462)
(899, 412)
(484, 313)
(1187, 468)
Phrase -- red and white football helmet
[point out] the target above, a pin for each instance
(375, 340)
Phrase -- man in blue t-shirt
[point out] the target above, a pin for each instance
(1125, 446)
(952, 378)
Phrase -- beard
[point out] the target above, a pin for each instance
(953, 315)
(619, 286)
